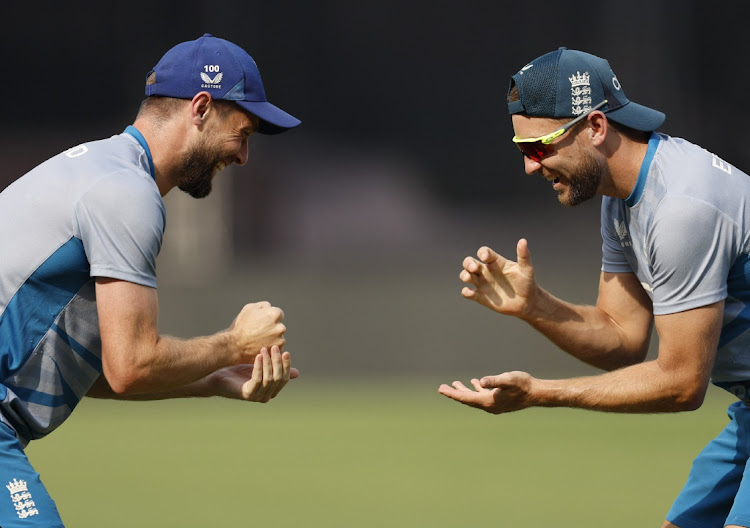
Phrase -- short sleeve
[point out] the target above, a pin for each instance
(613, 257)
(691, 246)
(121, 221)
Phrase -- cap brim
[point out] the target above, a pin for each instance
(273, 120)
(637, 116)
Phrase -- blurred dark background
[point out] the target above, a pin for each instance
(356, 223)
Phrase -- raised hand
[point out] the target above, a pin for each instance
(500, 284)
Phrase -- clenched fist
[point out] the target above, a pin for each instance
(257, 326)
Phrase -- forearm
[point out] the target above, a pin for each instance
(644, 388)
(169, 364)
(136, 359)
(102, 390)
(585, 332)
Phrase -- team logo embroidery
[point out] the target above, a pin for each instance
(616, 83)
(622, 232)
(527, 67)
(22, 501)
(211, 82)
(580, 92)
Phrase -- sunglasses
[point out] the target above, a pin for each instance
(539, 148)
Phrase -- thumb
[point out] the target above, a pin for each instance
(293, 373)
(490, 382)
(523, 254)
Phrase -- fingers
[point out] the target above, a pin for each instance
(474, 269)
(263, 305)
(250, 388)
(271, 372)
(460, 386)
(469, 293)
(282, 366)
(488, 255)
(461, 394)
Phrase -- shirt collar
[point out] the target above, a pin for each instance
(635, 195)
(142, 141)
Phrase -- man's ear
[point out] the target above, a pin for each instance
(200, 106)
(598, 127)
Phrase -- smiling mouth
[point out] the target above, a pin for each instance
(219, 167)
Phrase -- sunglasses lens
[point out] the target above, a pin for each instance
(535, 150)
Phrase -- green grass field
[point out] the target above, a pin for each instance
(366, 454)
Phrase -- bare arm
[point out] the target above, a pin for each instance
(610, 335)
(259, 382)
(676, 381)
(137, 360)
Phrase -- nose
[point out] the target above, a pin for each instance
(530, 166)
(242, 154)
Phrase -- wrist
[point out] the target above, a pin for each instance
(536, 306)
(228, 342)
(552, 393)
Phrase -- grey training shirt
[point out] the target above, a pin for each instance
(93, 210)
(685, 232)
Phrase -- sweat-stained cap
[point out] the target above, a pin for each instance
(566, 83)
(222, 69)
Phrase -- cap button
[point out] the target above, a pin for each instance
(207, 35)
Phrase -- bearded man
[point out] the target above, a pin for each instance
(78, 297)
(675, 224)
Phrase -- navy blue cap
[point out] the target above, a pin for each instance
(222, 69)
(566, 83)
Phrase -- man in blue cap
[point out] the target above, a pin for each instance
(78, 298)
(675, 224)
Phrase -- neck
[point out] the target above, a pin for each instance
(165, 145)
(624, 159)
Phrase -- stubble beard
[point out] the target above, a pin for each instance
(197, 172)
(584, 181)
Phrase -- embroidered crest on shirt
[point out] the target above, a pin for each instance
(22, 501)
(621, 229)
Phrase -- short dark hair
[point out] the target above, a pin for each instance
(161, 107)
(513, 93)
